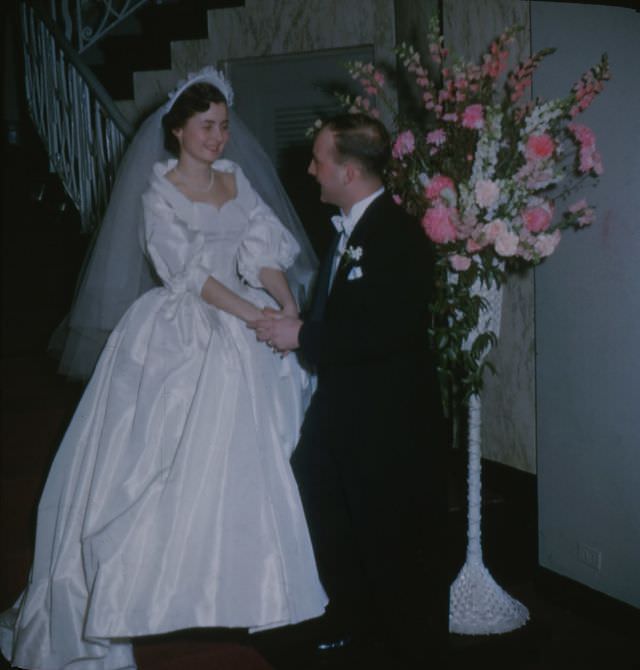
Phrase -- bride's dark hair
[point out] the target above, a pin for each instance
(192, 100)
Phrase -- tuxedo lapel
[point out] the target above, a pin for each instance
(322, 283)
(358, 238)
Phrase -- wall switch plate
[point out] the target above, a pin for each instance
(589, 556)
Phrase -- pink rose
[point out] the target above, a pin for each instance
(437, 184)
(487, 192)
(459, 263)
(537, 219)
(473, 117)
(491, 231)
(506, 244)
(405, 144)
(539, 147)
(397, 199)
(438, 223)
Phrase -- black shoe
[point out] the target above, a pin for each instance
(333, 645)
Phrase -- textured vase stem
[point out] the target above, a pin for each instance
(474, 546)
(477, 605)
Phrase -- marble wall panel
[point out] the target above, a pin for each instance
(273, 27)
(508, 399)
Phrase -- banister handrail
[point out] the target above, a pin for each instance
(85, 72)
(84, 131)
(85, 22)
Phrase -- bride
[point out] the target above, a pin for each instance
(171, 503)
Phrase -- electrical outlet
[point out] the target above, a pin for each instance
(589, 556)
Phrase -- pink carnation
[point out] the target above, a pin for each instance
(583, 134)
(438, 223)
(539, 147)
(473, 117)
(472, 246)
(537, 219)
(436, 137)
(459, 263)
(545, 245)
(405, 144)
(437, 184)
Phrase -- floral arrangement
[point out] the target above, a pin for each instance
(481, 167)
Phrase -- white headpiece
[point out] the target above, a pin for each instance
(116, 271)
(208, 74)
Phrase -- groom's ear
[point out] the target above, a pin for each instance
(351, 172)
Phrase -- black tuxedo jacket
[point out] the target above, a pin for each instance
(377, 397)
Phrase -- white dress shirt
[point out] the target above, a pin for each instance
(345, 223)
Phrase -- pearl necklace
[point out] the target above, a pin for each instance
(188, 185)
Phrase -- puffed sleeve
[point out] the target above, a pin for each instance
(174, 250)
(266, 243)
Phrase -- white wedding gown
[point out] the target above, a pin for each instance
(171, 503)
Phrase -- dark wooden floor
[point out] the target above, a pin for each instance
(570, 626)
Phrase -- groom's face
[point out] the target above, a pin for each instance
(327, 172)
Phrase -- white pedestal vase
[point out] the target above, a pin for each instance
(477, 605)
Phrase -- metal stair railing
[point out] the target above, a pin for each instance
(82, 128)
(85, 22)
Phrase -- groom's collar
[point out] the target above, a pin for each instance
(357, 210)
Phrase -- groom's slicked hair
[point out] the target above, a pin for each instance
(362, 138)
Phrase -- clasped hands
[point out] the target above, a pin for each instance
(278, 329)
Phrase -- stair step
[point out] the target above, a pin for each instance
(159, 24)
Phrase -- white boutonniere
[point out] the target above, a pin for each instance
(353, 253)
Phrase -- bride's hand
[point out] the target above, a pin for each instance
(271, 313)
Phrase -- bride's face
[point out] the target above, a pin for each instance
(204, 136)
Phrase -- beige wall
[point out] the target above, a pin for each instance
(271, 27)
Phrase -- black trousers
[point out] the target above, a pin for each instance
(377, 517)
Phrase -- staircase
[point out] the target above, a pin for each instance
(143, 42)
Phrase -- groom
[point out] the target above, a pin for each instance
(370, 464)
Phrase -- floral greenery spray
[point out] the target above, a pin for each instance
(483, 169)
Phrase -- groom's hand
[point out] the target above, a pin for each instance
(277, 330)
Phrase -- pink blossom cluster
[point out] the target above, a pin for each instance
(583, 213)
(487, 196)
(520, 79)
(441, 219)
(404, 145)
(372, 81)
(589, 158)
(494, 63)
(590, 84)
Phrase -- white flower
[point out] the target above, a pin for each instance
(487, 192)
(353, 253)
